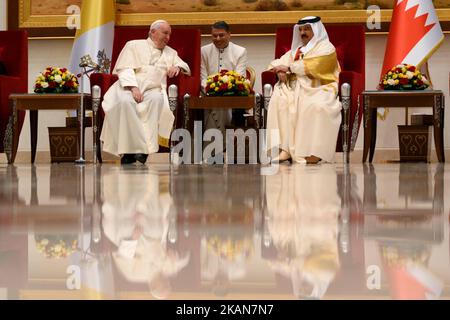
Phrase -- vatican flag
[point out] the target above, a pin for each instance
(94, 37)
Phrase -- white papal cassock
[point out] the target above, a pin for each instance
(136, 219)
(131, 127)
(306, 110)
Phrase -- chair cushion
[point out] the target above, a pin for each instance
(340, 52)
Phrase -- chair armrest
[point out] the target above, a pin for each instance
(356, 81)
(104, 81)
(268, 77)
(185, 84)
(10, 84)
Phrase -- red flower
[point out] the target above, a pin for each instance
(52, 84)
(223, 86)
(241, 87)
(412, 68)
(420, 82)
(68, 84)
(63, 70)
(223, 71)
(208, 86)
(216, 78)
(399, 70)
(38, 85)
(404, 81)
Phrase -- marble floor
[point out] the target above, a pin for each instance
(224, 232)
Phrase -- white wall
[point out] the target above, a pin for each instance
(3, 15)
(43, 53)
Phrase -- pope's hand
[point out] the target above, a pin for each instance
(173, 72)
(137, 94)
(282, 77)
(278, 69)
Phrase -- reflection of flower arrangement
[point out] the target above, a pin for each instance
(398, 221)
(229, 248)
(404, 77)
(56, 80)
(394, 255)
(55, 246)
(227, 83)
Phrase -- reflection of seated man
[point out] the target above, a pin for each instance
(135, 219)
(222, 54)
(303, 208)
(221, 269)
(137, 114)
(304, 107)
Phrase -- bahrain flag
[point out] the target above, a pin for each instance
(414, 35)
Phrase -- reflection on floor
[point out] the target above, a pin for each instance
(224, 232)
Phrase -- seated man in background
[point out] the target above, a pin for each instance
(222, 54)
(137, 114)
(305, 108)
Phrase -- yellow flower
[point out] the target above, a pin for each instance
(216, 89)
(212, 86)
(394, 76)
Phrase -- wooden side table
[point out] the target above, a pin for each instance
(402, 99)
(35, 102)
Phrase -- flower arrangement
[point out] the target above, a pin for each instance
(227, 83)
(404, 77)
(56, 80)
(52, 246)
(394, 255)
(230, 249)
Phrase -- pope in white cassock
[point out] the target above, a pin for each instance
(137, 114)
(222, 54)
(305, 108)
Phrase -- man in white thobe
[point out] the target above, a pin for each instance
(305, 108)
(137, 114)
(222, 54)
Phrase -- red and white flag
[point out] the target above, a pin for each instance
(415, 34)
